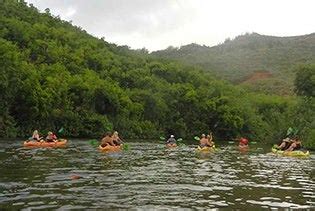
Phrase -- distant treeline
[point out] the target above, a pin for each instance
(54, 75)
(237, 59)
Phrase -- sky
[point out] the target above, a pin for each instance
(158, 24)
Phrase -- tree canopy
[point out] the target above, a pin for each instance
(54, 75)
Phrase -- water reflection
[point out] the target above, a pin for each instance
(151, 176)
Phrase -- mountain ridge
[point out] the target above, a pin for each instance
(240, 57)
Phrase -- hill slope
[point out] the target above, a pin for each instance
(55, 75)
(238, 59)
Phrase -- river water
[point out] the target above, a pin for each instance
(149, 176)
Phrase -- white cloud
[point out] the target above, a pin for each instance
(156, 24)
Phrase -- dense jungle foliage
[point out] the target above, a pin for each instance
(55, 75)
(240, 58)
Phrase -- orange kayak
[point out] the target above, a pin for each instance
(171, 145)
(59, 143)
(109, 148)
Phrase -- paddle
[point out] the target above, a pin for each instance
(125, 147)
(162, 138)
(197, 138)
(93, 142)
(61, 130)
(180, 142)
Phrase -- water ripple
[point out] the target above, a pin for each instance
(151, 177)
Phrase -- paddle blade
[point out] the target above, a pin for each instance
(179, 140)
(162, 138)
(289, 131)
(125, 147)
(197, 138)
(93, 142)
(61, 130)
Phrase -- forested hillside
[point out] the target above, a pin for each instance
(248, 56)
(54, 75)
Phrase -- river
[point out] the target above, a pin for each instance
(149, 176)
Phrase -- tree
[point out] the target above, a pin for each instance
(305, 81)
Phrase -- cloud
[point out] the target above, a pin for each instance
(157, 24)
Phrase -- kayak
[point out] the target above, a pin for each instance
(205, 149)
(59, 143)
(171, 145)
(294, 153)
(109, 148)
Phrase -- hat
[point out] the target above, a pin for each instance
(172, 136)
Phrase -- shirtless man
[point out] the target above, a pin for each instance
(204, 142)
(107, 140)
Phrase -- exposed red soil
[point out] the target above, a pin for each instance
(256, 76)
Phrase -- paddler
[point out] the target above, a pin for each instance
(171, 140)
(205, 142)
(107, 140)
(116, 140)
(35, 136)
(51, 137)
(210, 139)
(285, 144)
(295, 145)
(243, 142)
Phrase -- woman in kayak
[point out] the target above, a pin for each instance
(51, 137)
(295, 144)
(107, 140)
(204, 142)
(35, 136)
(285, 144)
(116, 140)
(210, 138)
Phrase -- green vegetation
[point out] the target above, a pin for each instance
(305, 113)
(54, 75)
(240, 60)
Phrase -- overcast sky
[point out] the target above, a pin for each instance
(157, 24)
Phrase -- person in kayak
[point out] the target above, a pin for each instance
(295, 144)
(116, 140)
(210, 139)
(285, 144)
(204, 142)
(51, 137)
(35, 136)
(107, 140)
(243, 142)
(171, 140)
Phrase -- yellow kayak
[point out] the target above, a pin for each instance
(206, 149)
(295, 153)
